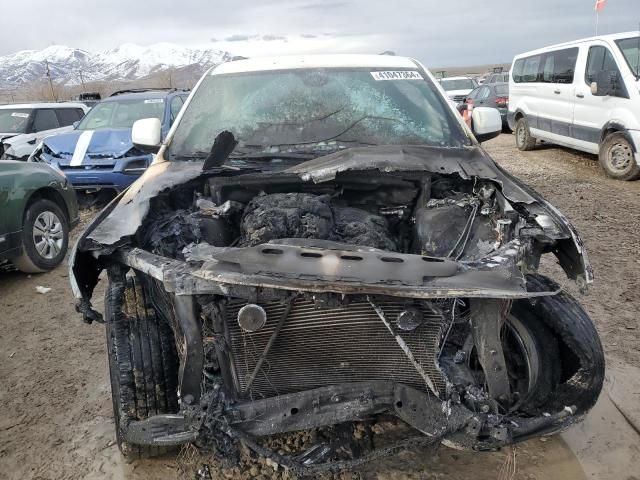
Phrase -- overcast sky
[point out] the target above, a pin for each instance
(437, 32)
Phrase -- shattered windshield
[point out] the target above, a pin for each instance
(122, 113)
(14, 120)
(315, 110)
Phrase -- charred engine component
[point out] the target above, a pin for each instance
(304, 215)
(286, 215)
(462, 226)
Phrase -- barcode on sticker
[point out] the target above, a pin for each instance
(397, 75)
(154, 100)
(20, 115)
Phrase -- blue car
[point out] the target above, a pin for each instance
(98, 154)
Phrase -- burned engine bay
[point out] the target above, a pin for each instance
(301, 300)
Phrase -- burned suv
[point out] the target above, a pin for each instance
(322, 241)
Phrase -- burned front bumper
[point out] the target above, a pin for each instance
(324, 386)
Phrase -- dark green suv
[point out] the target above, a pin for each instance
(38, 207)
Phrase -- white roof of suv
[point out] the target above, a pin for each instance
(314, 61)
(45, 105)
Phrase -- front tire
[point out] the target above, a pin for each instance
(143, 363)
(45, 237)
(524, 140)
(617, 158)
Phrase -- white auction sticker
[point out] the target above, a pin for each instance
(154, 100)
(20, 115)
(397, 75)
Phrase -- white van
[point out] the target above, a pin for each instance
(583, 95)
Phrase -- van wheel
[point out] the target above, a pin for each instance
(143, 363)
(617, 158)
(45, 237)
(524, 140)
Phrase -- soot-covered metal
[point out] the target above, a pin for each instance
(374, 281)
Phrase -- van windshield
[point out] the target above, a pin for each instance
(630, 48)
(314, 110)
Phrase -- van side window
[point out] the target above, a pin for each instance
(600, 58)
(559, 66)
(528, 70)
(531, 69)
(517, 70)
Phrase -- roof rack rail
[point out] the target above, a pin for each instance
(142, 90)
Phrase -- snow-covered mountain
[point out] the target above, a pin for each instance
(126, 62)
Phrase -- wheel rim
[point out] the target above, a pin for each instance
(520, 134)
(48, 235)
(620, 157)
(521, 356)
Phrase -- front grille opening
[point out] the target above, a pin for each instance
(318, 347)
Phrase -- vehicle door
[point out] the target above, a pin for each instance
(592, 112)
(483, 97)
(471, 98)
(44, 119)
(556, 91)
(7, 178)
(523, 90)
(69, 116)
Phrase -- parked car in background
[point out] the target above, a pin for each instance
(458, 88)
(24, 126)
(502, 77)
(99, 154)
(328, 242)
(38, 208)
(494, 95)
(90, 99)
(583, 95)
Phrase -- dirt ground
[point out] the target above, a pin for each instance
(55, 417)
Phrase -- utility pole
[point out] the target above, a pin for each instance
(81, 80)
(53, 93)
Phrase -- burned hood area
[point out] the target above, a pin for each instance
(376, 281)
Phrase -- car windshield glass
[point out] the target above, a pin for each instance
(502, 89)
(313, 110)
(460, 84)
(630, 48)
(122, 113)
(14, 120)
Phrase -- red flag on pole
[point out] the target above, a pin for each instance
(600, 4)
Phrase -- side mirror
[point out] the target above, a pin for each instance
(146, 135)
(486, 123)
(606, 84)
(75, 124)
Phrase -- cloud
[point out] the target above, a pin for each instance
(455, 32)
(271, 37)
(238, 38)
(323, 6)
